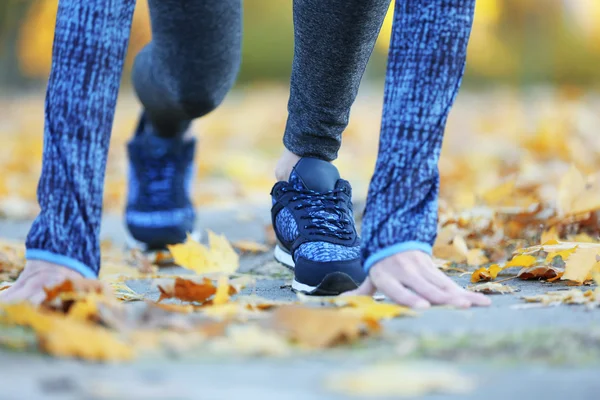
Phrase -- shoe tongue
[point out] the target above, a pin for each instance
(314, 174)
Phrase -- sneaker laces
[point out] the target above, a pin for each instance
(319, 209)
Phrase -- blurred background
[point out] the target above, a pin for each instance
(529, 96)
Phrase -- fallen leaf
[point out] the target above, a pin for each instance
(549, 235)
(539, 272)
(563, 254)
(457, 251)
(575, 196)
(222, 293)
(486, 274)
(371, 309)
(581, 264)
(68, 337)
(317, 327)
(248, 246)
(251, 340)
(520, 261)
(124, 292)
(73, 288)
(218, 257)
(188, 290)
(476, 257)
(492, 288)
(405, 380)
(573, 296)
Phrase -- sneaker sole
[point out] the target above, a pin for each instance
(158, 257)
(332, 285)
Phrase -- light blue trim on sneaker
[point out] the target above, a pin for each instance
(395, 249)
(71, 263)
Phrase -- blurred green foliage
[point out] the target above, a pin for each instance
(514, 42)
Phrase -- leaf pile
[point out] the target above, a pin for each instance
(88, 319)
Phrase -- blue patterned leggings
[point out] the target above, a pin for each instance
(333, 43)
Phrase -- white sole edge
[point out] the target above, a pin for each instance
(284, 257)
(302, 288)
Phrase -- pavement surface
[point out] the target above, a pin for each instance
(549, 353)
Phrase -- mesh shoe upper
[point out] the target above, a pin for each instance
(313, 220)
(159, 210)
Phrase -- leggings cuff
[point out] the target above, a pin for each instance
(71, 263)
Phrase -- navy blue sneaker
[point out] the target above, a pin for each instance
(159, 210)
(314, 224)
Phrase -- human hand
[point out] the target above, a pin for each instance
(411, 278)
(36, 276)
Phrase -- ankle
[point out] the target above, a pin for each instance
(286, 163)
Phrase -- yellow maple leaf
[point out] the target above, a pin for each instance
(520, 261)
(68, 337)
(581, 264)
(222, 294)
(575, 196)
(369, 308)
(486, 274)
(218, 257)
(456, 250)
(564, 254)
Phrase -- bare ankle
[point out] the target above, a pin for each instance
(286, 163)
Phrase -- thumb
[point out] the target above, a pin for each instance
(366, 289)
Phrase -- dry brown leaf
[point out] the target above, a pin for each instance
(74, 288)
(188, 290)
(124, 292)
(573, 296)
(248, 246)
(405, 380)
(581, 264)
(539, 272)
(318, 327)
(492, 288)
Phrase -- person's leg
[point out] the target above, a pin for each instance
(334, 40)
(183, 73)
(426, 63)
(89, 48)
(191, 62)
(312, 212)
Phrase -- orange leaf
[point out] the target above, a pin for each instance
(486, 274)
(539, 272)
(318, 327)
(187, 290)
